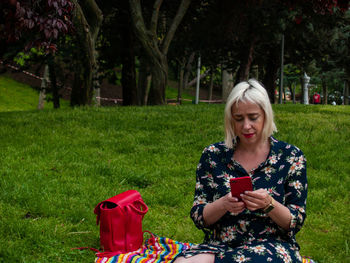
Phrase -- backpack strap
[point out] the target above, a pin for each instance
(139, 207)
(90, 248)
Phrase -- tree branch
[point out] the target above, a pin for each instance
(192, 82)
(146, 40)
(154, 19)
(93, 16)
(176, 21)
(139, 25)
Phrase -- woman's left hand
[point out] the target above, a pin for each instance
(257, 199)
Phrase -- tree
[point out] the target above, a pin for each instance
(155, 45)
(291, 76)
(40, 24)
(118, 48)
(87, 21)
(237, 35)
(33, 23)
(341, 50)
(310, 34)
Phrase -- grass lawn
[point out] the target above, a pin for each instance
(56, 165)
(15, 96)
(172, 91)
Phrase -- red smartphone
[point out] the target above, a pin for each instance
(239, 185)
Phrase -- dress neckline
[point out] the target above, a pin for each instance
(260, 165)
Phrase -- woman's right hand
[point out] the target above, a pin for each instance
(214, 211)
(231, 204)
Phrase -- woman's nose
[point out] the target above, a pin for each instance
(246, 124)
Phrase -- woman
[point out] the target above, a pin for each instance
(261, 227)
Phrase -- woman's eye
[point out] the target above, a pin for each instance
(254, 118)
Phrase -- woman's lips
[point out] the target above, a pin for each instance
(248, 135)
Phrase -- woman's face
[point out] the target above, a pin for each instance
(248, 122)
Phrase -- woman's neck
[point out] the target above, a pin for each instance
(251, 156)
(253, 148)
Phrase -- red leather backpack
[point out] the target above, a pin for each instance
(120, 219)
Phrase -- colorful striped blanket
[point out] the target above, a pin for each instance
(155, 250)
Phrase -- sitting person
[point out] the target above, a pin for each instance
(260, 227)
(316, 98)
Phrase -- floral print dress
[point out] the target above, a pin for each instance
(251, 236)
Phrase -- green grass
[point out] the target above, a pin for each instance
(172, 92)
(56, 165)
(15, 96)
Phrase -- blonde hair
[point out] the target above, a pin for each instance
(248, 91)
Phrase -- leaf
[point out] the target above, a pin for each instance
(55, 33)
(47, 33)
(21, 11)
(53, 47)
(30, 24)
(59, 25)
(29, 14)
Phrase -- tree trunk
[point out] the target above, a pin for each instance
(302, 90)
(180, 82)
(97, 95)
(156, 52)
(87, 21)
(294, 87)
(255, 72)
(292, 91)
(346, 87)
(271, 75)
(324, 90)
(143, 81)
(128, 81)
(53, 80)
(159, 73)
(246, 62)
(346, 92)
(227, 84)
(43, 88)
(194, 81)
(188, 69)
(211, 84)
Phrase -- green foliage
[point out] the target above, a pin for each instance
(23, 57)
(291, 75)
(56, 165)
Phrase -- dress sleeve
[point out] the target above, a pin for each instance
(296, 191)
(202, 196)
